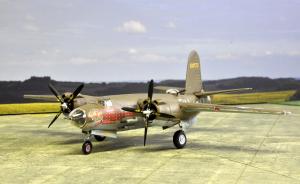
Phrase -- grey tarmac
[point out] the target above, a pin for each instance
(221, 148)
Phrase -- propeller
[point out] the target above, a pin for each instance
(66, 101)
(149, 110)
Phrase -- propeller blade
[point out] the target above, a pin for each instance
(57, 115)
(145, 132)
(130, 109)
(150, 90)
(76, 92)
(55, 92)
(145, 135)
(164, 115)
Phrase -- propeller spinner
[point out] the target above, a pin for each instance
(149, 110)
(67, 101)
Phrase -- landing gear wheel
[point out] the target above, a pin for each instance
(179, 139)
(87, 147)
(99, 138)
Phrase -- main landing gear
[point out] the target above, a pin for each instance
(87, 145)
(179, 139)
(99, 138)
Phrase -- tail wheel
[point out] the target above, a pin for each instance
(179, 139)
(87, 147)
(99, 138)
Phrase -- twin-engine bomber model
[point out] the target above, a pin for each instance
(105, 116)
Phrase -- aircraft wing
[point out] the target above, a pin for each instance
(206, 93)
(49, 98)
(227, 108)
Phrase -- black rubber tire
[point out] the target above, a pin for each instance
(87, 147)
(99, 138)
(179, 139)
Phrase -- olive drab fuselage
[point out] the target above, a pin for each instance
(105, 113)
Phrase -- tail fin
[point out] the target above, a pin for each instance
(193, 81)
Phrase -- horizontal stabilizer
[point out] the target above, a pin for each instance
(207, 93)
(49, 98)
(228, 108)
(165, 88)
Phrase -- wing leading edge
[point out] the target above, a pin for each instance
(49, 98)
(227, 108)
(166, 88)
(202, 93)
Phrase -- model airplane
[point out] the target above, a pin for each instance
(104, 116)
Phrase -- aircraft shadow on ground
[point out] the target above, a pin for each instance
(126, 142)
(155, 143)
(214, 129)
(231, 148)
(48, 132)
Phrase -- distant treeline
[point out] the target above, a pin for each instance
(13, 91)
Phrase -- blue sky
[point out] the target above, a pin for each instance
(132, 40)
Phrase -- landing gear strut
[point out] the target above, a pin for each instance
(179, 139)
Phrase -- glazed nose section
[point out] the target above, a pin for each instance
(78, 117)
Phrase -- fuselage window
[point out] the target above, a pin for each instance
(107, 103)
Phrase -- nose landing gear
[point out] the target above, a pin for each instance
(87, 144)
(87, 147)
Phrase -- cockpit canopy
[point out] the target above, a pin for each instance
(78, 116)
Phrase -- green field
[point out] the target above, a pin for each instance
(280, 97)
(293, 103)
(253, 98)
(28, 108)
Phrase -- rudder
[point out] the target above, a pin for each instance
(193, 82)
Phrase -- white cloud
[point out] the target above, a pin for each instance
(29, 17)
(31, 27)
(282, 18)
(82, 60)
(44, 52)
(132, 26)
(154, 58)
(132, 51)
(225, 56)
(293, 53)
(171, 25)
(268, 53)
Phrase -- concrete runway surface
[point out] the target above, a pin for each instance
(221, 148)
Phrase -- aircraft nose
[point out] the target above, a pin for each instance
(78, 116)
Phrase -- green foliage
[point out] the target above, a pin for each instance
(28, 108)
(13, 91)
(296, 96)
(253, 98)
